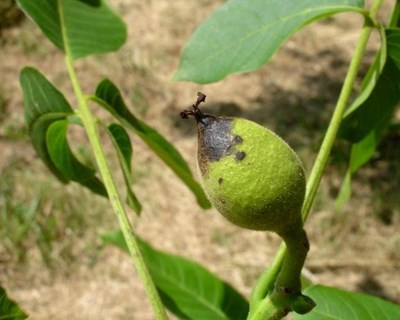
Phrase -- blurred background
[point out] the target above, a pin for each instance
(52, 261)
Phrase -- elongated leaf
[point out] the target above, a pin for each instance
(41, 97)
(243, 35)
(374, 72)
(187, 289)
(9, 309)
(43, 104)
(361, 153)
(336, 304)
(393, 38)
(121, 138)
(377, 108)
(37, 134)
(344, 192)
(108, 95)
(123, 146)
(362, 150)
(85, 27)
(65, 161)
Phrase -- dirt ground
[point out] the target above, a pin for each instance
(353, 248)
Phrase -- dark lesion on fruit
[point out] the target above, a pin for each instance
(220, 180)
(240, 155)
(215, 137)
(222, 200)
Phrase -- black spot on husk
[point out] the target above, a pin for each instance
(237, 139)
(240, 155)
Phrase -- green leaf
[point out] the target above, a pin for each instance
(65, 161)
(187, 289)
(9, 309)
(123, 146)
(393, 40)
(41, 97)
(374, 72)
(122, 140)
(362, 151)
(344, 192)
(370, 113)
(243, 35)
(78, 28)
(336, 304)
(377, 109)
(108, 96)
(43, 104)
(395, 18)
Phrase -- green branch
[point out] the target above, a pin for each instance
(330, 136)
(91, 128)
(113, 195)
(261, 305)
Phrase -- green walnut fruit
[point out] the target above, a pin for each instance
(250, 175)
(255, 180)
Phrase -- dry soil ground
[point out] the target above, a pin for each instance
(353, 248)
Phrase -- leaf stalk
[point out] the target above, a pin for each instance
(261, 305)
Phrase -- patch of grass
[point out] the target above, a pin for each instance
(12, 124)
(14, 128)
(18, 218)
(39, 213)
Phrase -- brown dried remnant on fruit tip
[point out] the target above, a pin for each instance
(185, 114)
